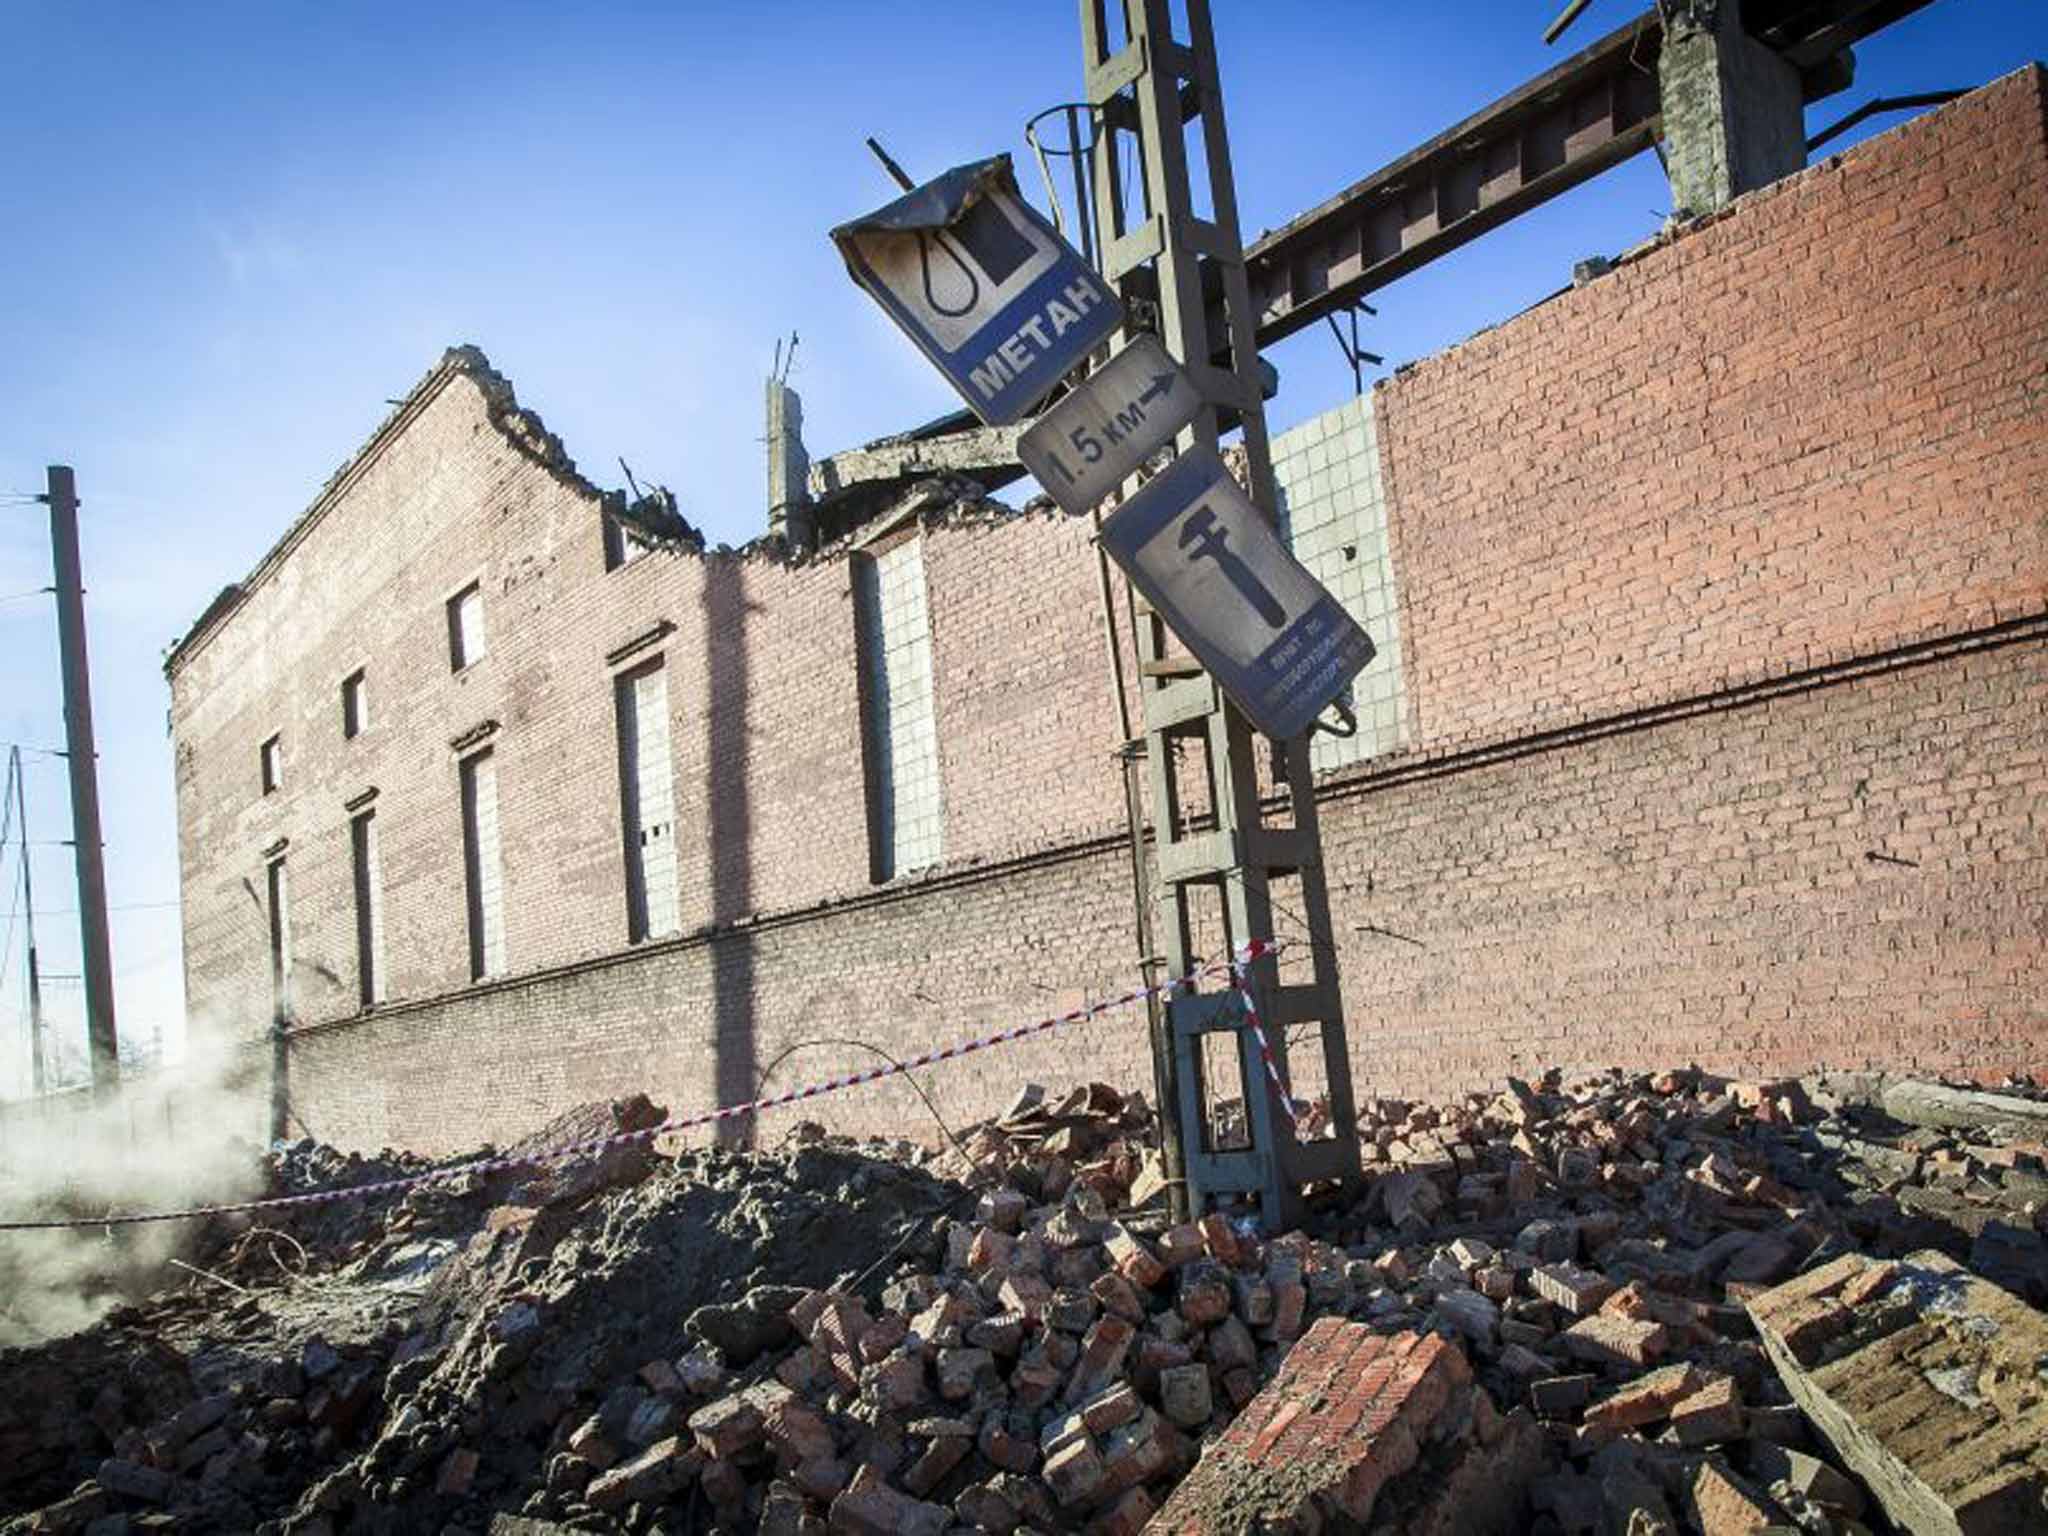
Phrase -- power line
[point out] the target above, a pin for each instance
(120, 906)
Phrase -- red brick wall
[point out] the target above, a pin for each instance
(1812, 429)
(1703, 889)
(763, 695)
(1794, 443)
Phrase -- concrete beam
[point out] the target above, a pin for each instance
(984, 454)
(1733, 110)
(1926, 1381)
(1594, 110)
(1931, 1104)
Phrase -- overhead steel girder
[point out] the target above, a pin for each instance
(1592, 111)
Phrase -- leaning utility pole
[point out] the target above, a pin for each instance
(1165, 262)
(39, 1086)
(85, 791)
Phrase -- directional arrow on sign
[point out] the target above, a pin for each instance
(1123, 413)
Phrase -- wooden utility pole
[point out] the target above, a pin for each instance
(97, 963)
(1216, 854)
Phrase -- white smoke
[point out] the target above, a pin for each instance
(182, 1136)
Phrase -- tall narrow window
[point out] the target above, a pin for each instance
(901, 736)
(485, 880)
(280, 942)
(355, 705)
(466, 627)
(273, 764)
(647, 803)
(369, 909)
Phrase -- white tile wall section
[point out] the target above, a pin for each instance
(896, 651)
(1333, 512)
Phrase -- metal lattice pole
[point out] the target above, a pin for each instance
(1146, 92)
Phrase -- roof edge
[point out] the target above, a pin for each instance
(520, 427)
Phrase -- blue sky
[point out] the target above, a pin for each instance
(233, 231)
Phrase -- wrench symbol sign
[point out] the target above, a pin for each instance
(1204, 540)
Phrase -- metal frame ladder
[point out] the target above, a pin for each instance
(1144, 94)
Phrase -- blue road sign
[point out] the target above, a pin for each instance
(986, 287)
(1206, 558)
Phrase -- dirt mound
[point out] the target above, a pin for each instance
(320, 1371)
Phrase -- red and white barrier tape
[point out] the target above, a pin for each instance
(1240, 978)
(1256, 949)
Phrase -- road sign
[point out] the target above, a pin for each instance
(986, 288)
(1088, 444)
(1206, 558)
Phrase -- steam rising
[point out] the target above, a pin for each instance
(168, 1140)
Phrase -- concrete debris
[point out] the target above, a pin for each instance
(1634, 1303)
(1929, 1383)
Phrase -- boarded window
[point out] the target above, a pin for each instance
(900, 736)
(355, 705)
(280, 941)
(647, 804)
(466, 627)
(369, 909)
(484, 875)
(272, 757)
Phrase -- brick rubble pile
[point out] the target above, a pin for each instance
(1622, 1304)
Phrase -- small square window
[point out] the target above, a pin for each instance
(466, 627)
(355, 705)
(273, 764)
(622, 545)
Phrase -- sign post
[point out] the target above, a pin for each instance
(1263, 647)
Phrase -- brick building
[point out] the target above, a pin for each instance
(1711, 719)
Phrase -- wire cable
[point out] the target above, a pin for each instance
(7, 804)
(945, 1208)
(761, 1083)
(22, 597)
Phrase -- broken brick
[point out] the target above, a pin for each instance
(1724, 1505)
(1646, 1400)
(1603, 1339)
(1578, 1292)
(1709, 1416)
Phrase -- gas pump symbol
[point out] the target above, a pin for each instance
(982, 243)
(1204, 540)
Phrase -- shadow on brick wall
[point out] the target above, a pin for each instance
(729, 839)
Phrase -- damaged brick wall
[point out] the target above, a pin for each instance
(1813, 428)
(1803, 442)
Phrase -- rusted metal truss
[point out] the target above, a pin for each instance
(1566, 126)
(1592, 111)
